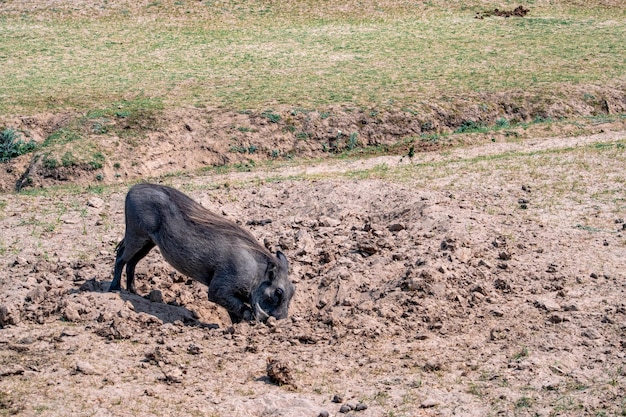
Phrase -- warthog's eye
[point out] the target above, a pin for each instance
(279, 294)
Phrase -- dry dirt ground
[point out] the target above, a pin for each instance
(483, 281)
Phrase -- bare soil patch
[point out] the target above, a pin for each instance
(519, 11)
(153, 143)
(441, 299)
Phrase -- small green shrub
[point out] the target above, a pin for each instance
(502, 123)
(97, 160)
(469, 126)
(272, 117)
(11, 146)
(49, 162)
(68, 159)
(353, 141)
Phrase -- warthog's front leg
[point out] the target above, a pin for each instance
(223, 293)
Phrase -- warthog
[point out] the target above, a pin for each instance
(242, 276)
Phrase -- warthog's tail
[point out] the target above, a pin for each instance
(120, 246)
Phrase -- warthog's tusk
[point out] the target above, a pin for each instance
(259, 313)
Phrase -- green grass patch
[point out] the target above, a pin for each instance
(302, 54)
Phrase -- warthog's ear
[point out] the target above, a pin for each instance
(282, 259)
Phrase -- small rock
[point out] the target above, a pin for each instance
(70, 313)
(345, 408)
(502, 285)
(91, 285)
(85, 368)
(323, 413)
(432, 366)
(328, 222)
(367, 248)
(429, 403)
(194, 349)
(20, 260)
(337, 399)
(271, 322)
(551, 386)
(547, 304)
(396, 227)
(555, 318)
(174, 375)
(607, 319)
(360, 407)
(484, 263)
(279, 372)
(504, 256)
(11, 370)
(69, 332)
(95, 202)
(591, 334)
(70, 220)
(398, 257)
(155, 296)
(37, 294)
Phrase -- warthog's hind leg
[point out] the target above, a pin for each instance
(129, 255)
(130, 266)
(119, 266)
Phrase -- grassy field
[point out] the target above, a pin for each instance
(255, 54)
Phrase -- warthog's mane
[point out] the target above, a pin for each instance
(196, 213)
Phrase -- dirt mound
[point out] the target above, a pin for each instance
(90, 150)
(408, 300)
(519, 11)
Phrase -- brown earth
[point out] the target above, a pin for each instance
(476, 284)
(153, 143)
(519, 11)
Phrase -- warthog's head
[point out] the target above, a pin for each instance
(272, 296)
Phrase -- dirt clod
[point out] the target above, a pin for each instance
(280, 372)
(360, 407)
(519, 11)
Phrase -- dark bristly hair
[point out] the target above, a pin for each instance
(196, 213)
